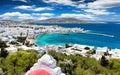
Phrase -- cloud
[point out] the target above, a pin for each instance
(98, 11)
(43, 14)
(82, 6)
(17, 15)
(104, 4)
(24, 7)
(64, 2)
(79, 16)
(43, 18)
(21, 0)
(93, 4)
(22, 16)
(77, 11)
(42, 9)
(33, 8)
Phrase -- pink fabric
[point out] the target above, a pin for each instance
(39, 72)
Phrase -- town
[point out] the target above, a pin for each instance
(21, 36)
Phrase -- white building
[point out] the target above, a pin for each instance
(45, 65)
(100, 51)
(11, 49)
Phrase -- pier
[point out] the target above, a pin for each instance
(112, 36)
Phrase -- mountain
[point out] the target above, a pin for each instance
(9, 22)
(61, 21)
(48, 21)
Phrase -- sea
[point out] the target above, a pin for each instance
(99, 35)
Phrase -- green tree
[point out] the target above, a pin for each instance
(21, 39)
(106, 53)
(3, 53)
(91, 52)
(104, 62)
(87, 48)
(67, 45)
(18, 63)
(2, 44)
(67, 66)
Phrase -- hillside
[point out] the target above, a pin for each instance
(60, 20)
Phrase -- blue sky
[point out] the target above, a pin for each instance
(96, 10)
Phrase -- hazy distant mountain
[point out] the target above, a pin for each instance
(9, 22)
(28, 21)
(47, 21)
(60, 20)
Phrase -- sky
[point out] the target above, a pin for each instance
(95, 10)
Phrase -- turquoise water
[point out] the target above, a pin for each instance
(85, 39)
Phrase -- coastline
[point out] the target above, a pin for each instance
(36, 30)
(77, 36)
(70, 34)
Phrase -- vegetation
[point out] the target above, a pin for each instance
(3, 53)
(21, 61)
(2, 44)
(106, 53)
(104, 62)
(67, 45)
(21, 39)
(91, 51)
(18, 63)
(87, 48)
(78, 65)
